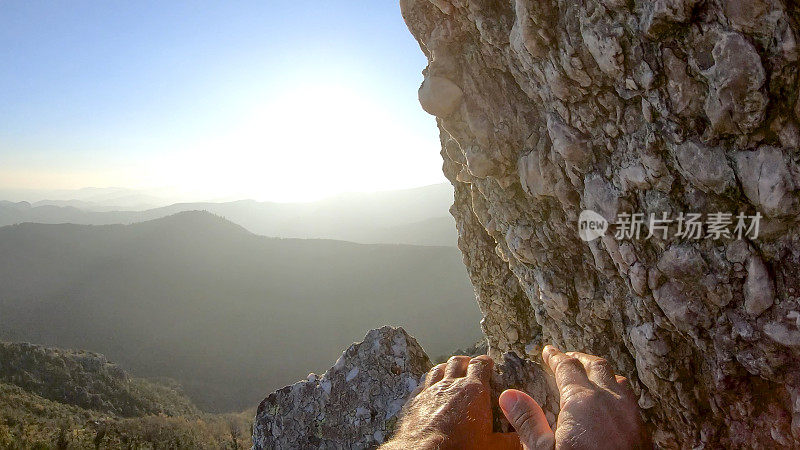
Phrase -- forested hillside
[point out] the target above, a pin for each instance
(228, 314)
(56, 398)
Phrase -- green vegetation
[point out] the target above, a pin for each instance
(93, 396)
(28, 421)
(87, 380)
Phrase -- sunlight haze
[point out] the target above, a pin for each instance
(264, 100)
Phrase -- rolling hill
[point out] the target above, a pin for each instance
(57, 398)
(229, 314)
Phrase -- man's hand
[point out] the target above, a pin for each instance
(598, 408)
(453, 410)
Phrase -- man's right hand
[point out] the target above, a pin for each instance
(598, 408)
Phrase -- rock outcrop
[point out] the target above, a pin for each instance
(353, 405)
(548, 108)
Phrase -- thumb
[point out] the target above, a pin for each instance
(527, 417)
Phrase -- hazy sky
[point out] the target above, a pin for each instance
(273, 100)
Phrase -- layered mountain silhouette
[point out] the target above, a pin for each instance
(413, 216)
(229, 314)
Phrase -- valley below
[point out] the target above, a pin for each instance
(227, 314)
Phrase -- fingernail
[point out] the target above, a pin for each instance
(546, 352)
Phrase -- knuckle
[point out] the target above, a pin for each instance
(572, 395)
(434, 372)
(437, 368)
(481, 362)
(599, 364)
(442, 387)
(569, 363)
(473, 386)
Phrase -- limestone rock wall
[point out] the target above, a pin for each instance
(549, 107)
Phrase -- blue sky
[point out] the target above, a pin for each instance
(275, 100)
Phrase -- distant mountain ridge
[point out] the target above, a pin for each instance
(414, 216)
(92, 198)
(229, 314)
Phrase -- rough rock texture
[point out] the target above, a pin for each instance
(353, 405)
(513, 372)
(357, 402)
(550, 107)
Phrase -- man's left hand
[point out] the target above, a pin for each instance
(453, 410)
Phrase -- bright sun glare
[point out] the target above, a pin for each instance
(308, 143)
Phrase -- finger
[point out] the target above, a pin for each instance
(527, 417)
(456, 367)
(435, 375)
(597, 369)
(480, 368)
(505, 441)
(568, 371)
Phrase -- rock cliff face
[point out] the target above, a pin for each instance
(548, 108)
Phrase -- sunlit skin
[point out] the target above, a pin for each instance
(453, 409)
